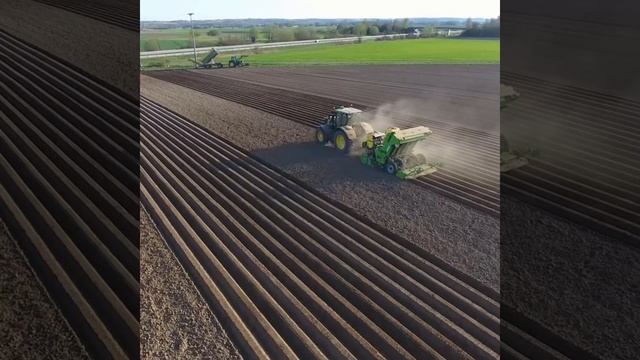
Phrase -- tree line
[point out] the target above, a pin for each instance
(490, 28)
(364, 28)
(282, 33)
(279, 33)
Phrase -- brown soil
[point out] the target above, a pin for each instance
(579, 283)
(31, 326)
(462, 236)
(103, 50)
(175, 322)
(575, 48)
(465, 95)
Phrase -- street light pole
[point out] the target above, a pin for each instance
(193, 35)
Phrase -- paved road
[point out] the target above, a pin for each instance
(221, 49)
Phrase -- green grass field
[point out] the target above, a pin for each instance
(387, 52)
(418, 51)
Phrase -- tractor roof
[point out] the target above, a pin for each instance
(412, 134)
(349, 110)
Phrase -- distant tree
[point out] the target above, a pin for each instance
(331, 33)
(373, 30)
(490, 28)
(282, 34)
(197, 33)
(346, 29)
(468, 24)
(270, 31)
(395, 26)
(305, 33)
(491, 23)
(213, 32)
(386, 28)
(404, 25)
(361, 29)
(429, 31)
(253, 34)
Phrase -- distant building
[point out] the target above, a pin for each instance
(413, 32)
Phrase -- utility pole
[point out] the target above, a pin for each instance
(193, 35)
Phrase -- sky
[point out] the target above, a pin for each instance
(164, 10)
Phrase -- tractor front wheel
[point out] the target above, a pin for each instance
(342, 142)
(321, 136)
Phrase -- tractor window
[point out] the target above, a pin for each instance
(343, 119)
(332, 120)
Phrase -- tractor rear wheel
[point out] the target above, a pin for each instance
(342, 142)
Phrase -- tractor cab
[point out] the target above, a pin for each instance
(342, 116)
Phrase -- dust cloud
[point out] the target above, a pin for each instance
(445, 147)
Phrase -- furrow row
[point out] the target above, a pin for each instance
(292, 274)
(476, 153)
(585, 166)
(123, 16)
(69, 193)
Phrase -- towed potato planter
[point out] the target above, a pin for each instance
(391, 150)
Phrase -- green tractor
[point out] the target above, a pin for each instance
(509, 159)
(393, 150)
(236, 61)
(342, 127)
